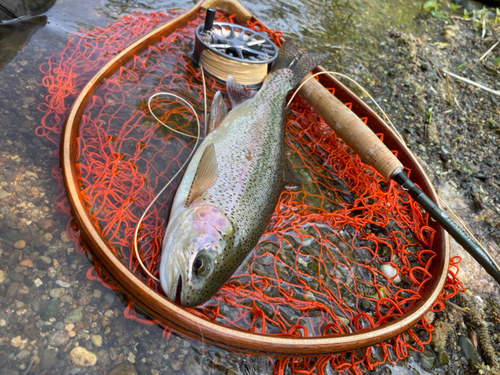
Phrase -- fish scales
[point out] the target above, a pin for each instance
(207, 239)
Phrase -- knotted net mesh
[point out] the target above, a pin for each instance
(345, 251)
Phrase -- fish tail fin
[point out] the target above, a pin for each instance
(298, 62)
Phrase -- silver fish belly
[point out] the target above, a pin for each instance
(230, 188)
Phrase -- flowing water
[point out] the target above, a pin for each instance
(38, 262)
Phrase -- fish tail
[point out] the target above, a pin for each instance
(298, 62)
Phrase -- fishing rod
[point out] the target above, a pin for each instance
(362, 140)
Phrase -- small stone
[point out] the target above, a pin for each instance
(176, 365)
(63, 284)
(3, 194)
(37, 282)
(23, 354)
(26, 263)
(55, 263)
(43, 262)
(131, 357)
(470, 352)
(51, 272)
(427, 359)
(96, 340)
(97, 293)
(75, 370)
(59, 338)
(193, 365)
(23, 63)
(48, 359)
(107, 330)
(3, 323)
(69, 327)
(64, 237)
(47, 236)
(16, 342)
(2, 276)
(49, 309)
(12, 289)
(72, 333)
(443, 357)
(20, 244)
(82, 357)
(390, 272)
(109, 297)
(310, 296)
(74, 316)
(57, 292)
(123, 369)
(59, 325)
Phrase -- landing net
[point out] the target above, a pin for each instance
(326, 265)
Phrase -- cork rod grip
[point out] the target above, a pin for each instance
(359, 137)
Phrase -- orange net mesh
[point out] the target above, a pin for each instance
(324, 265)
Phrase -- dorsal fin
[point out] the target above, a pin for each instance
(218, 112)
(205, 176)
(236, 92)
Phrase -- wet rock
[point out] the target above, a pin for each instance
(16, 342)
(468, 349)
(102, 358)
(3, 194)
(427, 359)
(63, 284)
(125, 369)
(96, 340)
(193, 365)
(23, 354)
(109, 297)
(59, 338)
(82, 357)
(21, 244)
(43, 262)
(48, 359)
(12, 289)
(28, 263)
(57, 292)
(97, 294)
(443, 357)
(74, 316)
(49, 309)
(2, 276)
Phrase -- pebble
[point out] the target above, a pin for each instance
(20, 244)
(131, 357)
(57, 292)
(64, 237)
(23, 354)
(470, 352)
(51, 272)
(74, 316)
(69, 327)
(59, 325)
(75, 370)
(37, 282)
(310, 296)
(26, 263)
(49, 309)
(443, 357)
(390, 272)
(59, 338)
(55, 263)
(3, 194)
(12, 289)
(47, 236)
(82, 357)
(43, 262)
(16, 342)
(96, 340)
(63, 284)
(2, 276)
(3, 323)
(427, 359)
(123, 369)
(97, 293)
(48, 359)
(109, 297)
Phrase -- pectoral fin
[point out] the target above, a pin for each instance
(218, 112)
(236, 92)
(205, 175)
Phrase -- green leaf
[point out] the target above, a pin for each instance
(437, 14)
(430, 5)
(497, 61)
(460, 66)
(466, 13)
(455, 6)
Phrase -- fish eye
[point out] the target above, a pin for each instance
(200, 265)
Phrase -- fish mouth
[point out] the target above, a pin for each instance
(178, 291)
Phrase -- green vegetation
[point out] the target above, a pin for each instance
(481, 18)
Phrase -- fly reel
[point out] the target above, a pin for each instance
(228, 49)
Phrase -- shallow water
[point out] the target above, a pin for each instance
(37, 335)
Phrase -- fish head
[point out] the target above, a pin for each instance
(192, 252)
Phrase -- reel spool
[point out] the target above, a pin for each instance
(228, 49)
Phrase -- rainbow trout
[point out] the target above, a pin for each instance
(231, 186)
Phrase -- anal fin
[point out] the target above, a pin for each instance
(205, 176)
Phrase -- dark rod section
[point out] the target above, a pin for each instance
(483, 258)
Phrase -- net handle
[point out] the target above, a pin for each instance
(359, 137)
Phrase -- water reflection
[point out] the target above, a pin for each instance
(15, 35)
